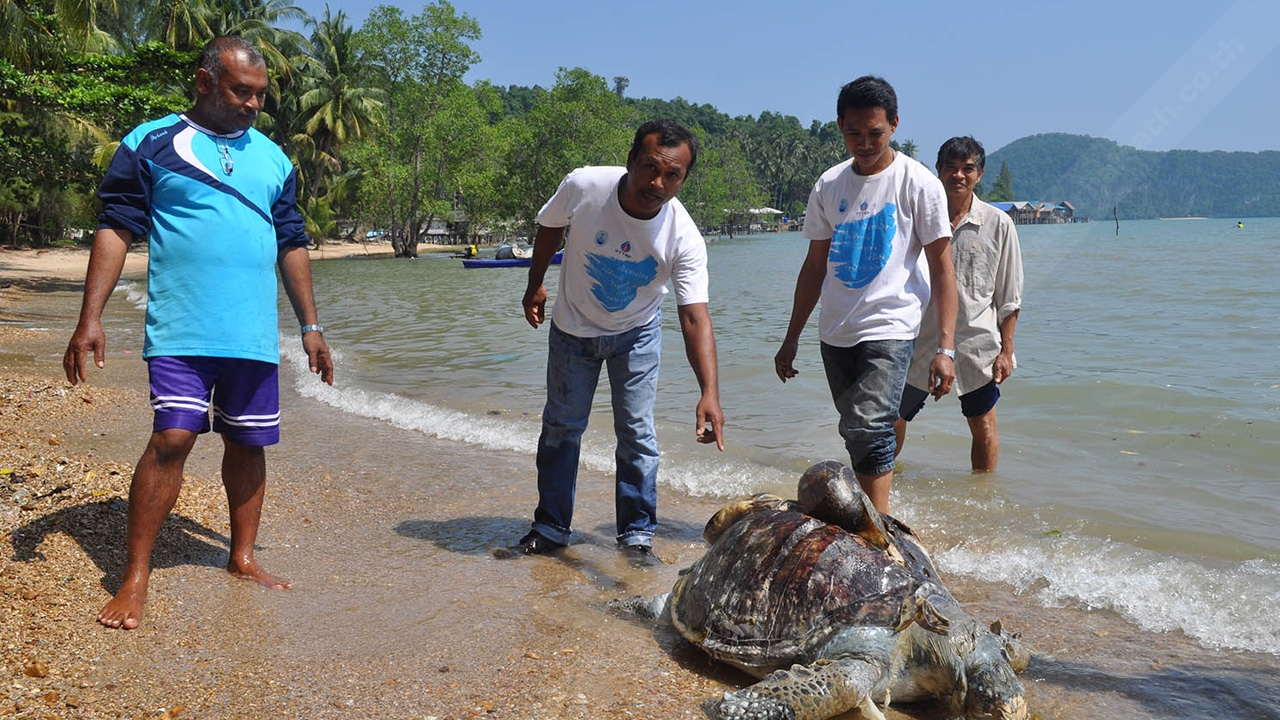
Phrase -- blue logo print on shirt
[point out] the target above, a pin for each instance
(617, 281)
(860, 249)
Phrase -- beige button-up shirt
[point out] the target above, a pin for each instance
(988, 262)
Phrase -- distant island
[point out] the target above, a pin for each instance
(1102, 178)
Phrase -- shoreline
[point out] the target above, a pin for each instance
(32, 265)
(399, 608)
(352, 638)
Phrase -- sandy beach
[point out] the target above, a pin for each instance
(68, 264)
(215, 647)
(399, 607)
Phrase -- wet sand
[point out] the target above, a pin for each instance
(399, 607)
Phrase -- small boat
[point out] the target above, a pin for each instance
(506, 262)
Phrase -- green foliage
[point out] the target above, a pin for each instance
(419, 61)
(907, 147)
(63, 114)
(328, 106)
(113, 92)
(1002, 188)
(722, 187)
(1096, 175)
(704, 116)
(386, 134)
(46, 194)
(580, 121)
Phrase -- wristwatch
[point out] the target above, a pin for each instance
(949, 353)
(312, 328)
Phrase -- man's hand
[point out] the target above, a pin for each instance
(535, 306)
(318, 356)
(782, 362)
(942, 372)
(709, 413)
(1003, 367)
(88, 338)
(106, 262)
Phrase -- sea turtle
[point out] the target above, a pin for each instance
(835, 607)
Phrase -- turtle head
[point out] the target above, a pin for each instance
(830, 492)
(993, 691)
(995, 694)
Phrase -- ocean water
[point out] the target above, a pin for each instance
(1140, 433)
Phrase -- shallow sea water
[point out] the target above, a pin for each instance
(1130, 533)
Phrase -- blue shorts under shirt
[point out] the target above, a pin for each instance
(217, 210)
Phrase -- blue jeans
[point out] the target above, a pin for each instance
(866, 384)
(573, 370)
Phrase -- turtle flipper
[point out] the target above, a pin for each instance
(735, 511)
(807, 692)
(919, 608)
(649, 607)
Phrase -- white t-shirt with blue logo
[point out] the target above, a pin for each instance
(615, 268)
(877, 282)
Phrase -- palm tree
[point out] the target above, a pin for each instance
(181, 24)
(31, 38)
(257, 21)
(26, 41)
(332, 106)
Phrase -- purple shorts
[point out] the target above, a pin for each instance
(244, 396)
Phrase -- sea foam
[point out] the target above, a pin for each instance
(1228, 607)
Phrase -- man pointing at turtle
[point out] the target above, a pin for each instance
(628, 237)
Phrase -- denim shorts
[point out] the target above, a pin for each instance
(243, 394)
(866, 383)
(972, 404)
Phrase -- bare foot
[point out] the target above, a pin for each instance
(251, 570)
(125, 609)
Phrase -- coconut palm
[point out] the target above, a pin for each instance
(32, 38)
(258, 22)
(333, 107)
(180, 24)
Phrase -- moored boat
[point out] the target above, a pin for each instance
(506, 262)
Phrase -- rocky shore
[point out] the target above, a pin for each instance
(62, 506)
(341, 644)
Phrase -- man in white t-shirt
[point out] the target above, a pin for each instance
(627, 236)
(988, 260)
(869, 220)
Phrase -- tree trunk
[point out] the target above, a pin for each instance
(410, 248)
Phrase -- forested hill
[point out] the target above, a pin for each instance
(1096, 174)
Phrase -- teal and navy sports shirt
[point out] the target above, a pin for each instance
(217, 209)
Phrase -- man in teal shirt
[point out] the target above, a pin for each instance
(216, 200)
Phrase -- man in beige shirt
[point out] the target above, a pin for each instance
(988, 263)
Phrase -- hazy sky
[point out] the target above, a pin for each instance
(1199, 75)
